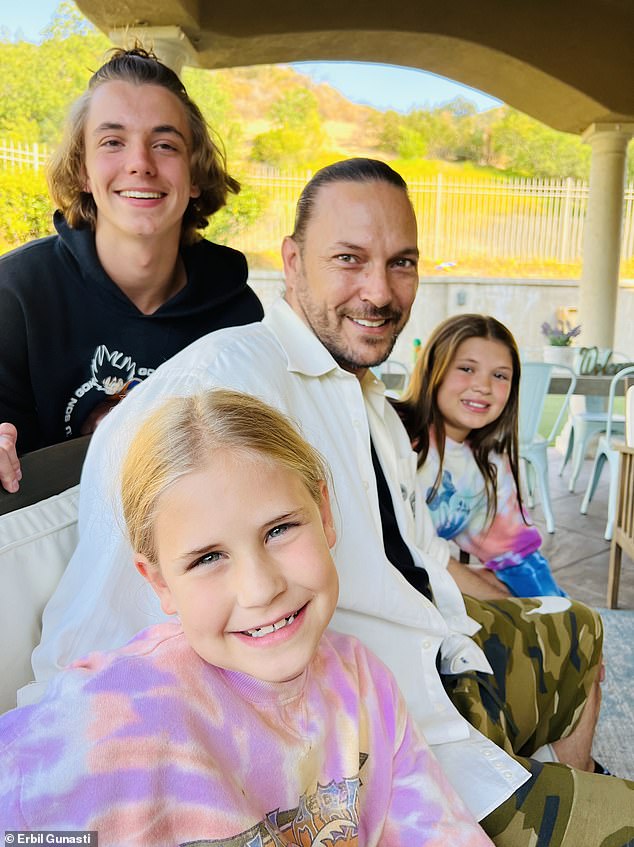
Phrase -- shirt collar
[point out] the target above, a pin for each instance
(374, 393)
(304, 351)
(306, 354)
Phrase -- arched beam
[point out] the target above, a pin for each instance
(568, 63)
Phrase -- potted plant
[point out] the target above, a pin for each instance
(559, 350)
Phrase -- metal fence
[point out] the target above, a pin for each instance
(521, 219)
(526, 219)
(277, 193)
(17, 156)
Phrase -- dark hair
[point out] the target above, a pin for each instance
(207, 160)
(348, 170)
(419, 410)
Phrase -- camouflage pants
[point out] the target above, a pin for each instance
(543, 668)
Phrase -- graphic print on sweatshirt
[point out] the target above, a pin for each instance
(329, 817)
(450, 509)
(112, 375)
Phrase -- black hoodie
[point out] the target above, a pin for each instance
(70, 339)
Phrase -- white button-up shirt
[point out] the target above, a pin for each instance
(102, 601)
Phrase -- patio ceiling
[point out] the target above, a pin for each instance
(568, 63)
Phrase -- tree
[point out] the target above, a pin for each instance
(527, 147)
(297, 130)
(411, 143)
(67, 21)
(449, 132)
(206, 90)
(39, 81)
(297, 109)
(387, 127)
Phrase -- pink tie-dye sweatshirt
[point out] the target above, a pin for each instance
(150, 745)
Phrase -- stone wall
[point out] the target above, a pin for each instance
(522, 304)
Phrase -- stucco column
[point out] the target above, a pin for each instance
(169, 43)
(602, 232)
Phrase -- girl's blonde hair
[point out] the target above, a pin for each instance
(418, 407)
(178, 437)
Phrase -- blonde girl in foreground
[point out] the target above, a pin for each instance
(242, 722)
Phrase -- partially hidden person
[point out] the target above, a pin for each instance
(244, 720)
(461, 411)
(127, 281)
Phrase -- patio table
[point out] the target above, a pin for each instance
(589, 386)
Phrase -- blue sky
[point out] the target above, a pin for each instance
(392, 87)
(382, 86)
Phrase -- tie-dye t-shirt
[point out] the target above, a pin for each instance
(150, 745)
(459, 508)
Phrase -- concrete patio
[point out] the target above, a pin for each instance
(577, 551)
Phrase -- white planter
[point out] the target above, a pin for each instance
(560, 355)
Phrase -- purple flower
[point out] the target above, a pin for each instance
(560, 335)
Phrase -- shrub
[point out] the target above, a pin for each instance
(279, 147)
(25, 207)
(241, 211)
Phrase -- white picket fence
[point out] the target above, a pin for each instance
(17, 156)
(521, 219)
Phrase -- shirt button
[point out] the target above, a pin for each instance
(498, 765)
(366, 484)
(488, 753)
(426, 645)
(507, 775)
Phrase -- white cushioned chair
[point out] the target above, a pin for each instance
(38, 533)
(36, 543)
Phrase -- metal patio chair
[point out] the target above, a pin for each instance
(533, 447)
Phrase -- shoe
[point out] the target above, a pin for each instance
(599, 768)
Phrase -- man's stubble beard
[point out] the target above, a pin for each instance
(320, 326)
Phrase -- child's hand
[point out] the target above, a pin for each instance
(480, 583)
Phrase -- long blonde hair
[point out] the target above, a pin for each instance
(418, 407)
(177, 438)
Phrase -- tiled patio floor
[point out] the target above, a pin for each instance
(577, 551)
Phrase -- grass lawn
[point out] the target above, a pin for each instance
(552, 405)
